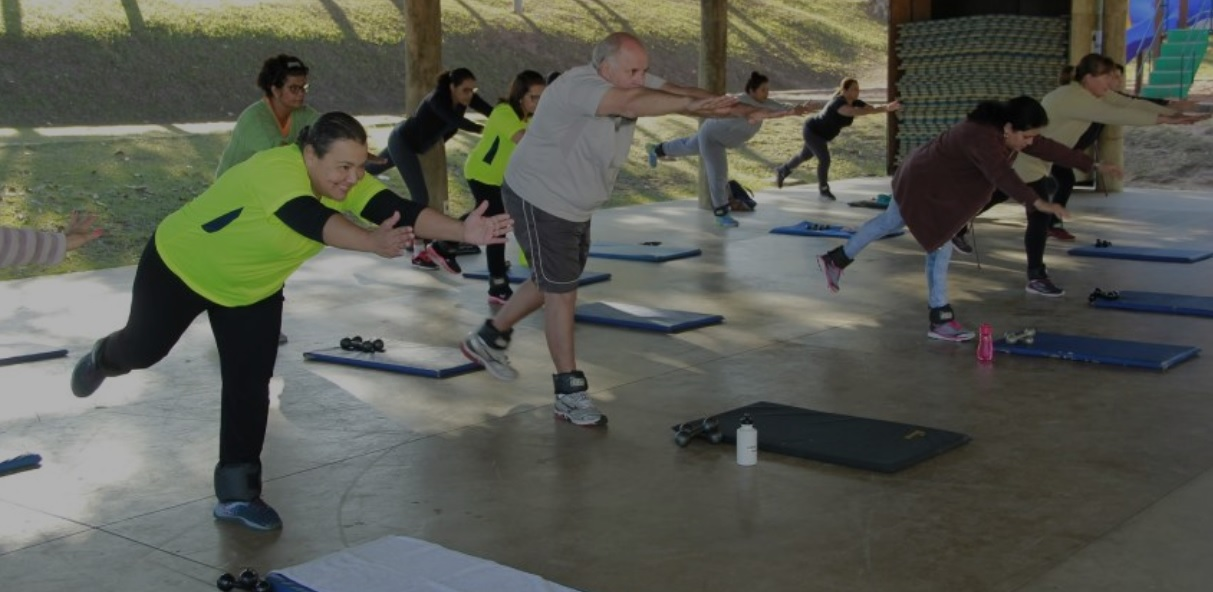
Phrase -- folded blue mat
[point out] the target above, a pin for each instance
(19, 353)
(403, 358)
(20, 463)
(519, 274)
(1144, 254)
(630, 316)
(808, 228)
(1177, 304)
(647, 253)
(1115, 352)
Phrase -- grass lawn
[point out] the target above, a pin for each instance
(81, 62)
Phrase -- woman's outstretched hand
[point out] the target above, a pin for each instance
(491, 230)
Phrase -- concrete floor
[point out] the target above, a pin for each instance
(1079, 477)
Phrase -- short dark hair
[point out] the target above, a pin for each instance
(329, 128)
(275, 71)
(454, 77)
(1023, 113)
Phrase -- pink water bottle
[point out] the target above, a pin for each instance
(985, 343)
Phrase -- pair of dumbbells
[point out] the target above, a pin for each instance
(1100, 294)
(356, 343)
(247, 580)
(707, 428)
(1024, 336)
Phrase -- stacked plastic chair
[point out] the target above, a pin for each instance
(949, 65)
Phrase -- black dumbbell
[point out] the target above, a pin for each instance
(1099, 294)
(707, 428)
(248, 580)
(351, 343)
(1102, 244)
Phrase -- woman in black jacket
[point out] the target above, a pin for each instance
(438, 117)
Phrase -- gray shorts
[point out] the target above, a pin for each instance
(556, 248)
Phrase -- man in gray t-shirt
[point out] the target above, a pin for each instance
(563, 170)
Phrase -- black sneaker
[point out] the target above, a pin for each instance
(824, 192)
(422, 261)
(1044, 287)
(438, 254)
(87, 377)
(962, 244)
(781, 175)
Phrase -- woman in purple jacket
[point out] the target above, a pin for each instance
(947, 181)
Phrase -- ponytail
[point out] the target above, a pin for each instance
(756, 80)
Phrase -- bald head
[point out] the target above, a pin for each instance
(621, 59)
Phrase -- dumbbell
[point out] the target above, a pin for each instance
(1024, 336)
(356, 343)
(1099, 294)
(707, 428)
(1102, 244)
(248, 580)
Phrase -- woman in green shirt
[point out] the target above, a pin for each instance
(274, 120)
(485, 167)
(228, 253)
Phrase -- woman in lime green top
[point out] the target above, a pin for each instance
(228, 253)
(485, 168)
(275, 119)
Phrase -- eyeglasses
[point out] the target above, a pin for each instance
(298, 88)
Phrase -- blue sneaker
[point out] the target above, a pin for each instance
(727, 221)
(256, 514)
(651, 149)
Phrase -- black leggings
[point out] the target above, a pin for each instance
(162, 308)
(407, 162)
(814, 145)
(1037, 233)
(495, 254)
(1065, 187)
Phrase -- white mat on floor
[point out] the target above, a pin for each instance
(401, 564)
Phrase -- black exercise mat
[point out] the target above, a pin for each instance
(20, 353)
(862, 443)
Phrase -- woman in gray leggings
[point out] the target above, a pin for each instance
(821, 129)
(715, 135)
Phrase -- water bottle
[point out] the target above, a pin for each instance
(747, 442)
(985, 343)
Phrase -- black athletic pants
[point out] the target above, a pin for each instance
(162, 308)
(814, 146)
(1037, 234)
(495, 254)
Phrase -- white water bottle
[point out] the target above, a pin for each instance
(747, 442)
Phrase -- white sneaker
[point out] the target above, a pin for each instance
(578, 409)
(492, 358)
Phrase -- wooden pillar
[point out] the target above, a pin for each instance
(1083, 23)
(1112, 140)
(423, 64)
(713, 66)
(900, 11)
(1182, 23)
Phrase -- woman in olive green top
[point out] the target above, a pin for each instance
(228, 253)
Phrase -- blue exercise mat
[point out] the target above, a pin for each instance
(1144, 254)
(19, 353)
(809, 228)
(644, 318)
(519, 274)
(1177, 304)
(872, 444)
(403, 358)
(20, 463)
(641, 252)
(1115, 352)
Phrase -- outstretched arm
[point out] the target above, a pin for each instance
(646, 102)
(853, 111)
